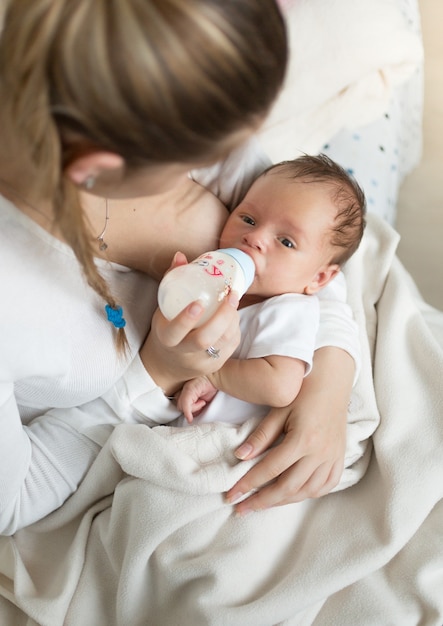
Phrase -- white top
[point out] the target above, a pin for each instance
(57, 350)
(57, 353)
(285, 325)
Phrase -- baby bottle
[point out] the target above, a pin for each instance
(209, 279)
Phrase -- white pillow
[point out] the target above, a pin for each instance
(346, 56)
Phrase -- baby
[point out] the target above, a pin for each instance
(300, 222)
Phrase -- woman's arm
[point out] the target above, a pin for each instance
(41, 464)
(308, 461)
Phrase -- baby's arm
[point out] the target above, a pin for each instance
(272, 380)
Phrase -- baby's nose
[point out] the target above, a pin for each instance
(255, 239)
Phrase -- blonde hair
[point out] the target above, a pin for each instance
(155, 81)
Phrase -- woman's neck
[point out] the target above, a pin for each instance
(13, 187)
(40, 211)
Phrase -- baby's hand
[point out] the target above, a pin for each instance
(194, 396)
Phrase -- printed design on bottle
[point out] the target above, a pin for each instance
(212, 270)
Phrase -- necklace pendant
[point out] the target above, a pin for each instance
(102, 245)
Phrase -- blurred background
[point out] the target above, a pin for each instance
(420, 207)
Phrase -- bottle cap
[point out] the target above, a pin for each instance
(245, 262)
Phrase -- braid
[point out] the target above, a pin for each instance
(76, 233)
(28, 110)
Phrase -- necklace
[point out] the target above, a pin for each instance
(102, 245)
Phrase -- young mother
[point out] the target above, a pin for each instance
(102, 104)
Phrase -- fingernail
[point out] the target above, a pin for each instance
(195, 309)
(244, 512)
(231, 498)
(243, 451)
(233, 299)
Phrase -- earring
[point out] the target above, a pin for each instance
(89, 182)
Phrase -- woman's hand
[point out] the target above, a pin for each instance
(308, 461)
(175, 351)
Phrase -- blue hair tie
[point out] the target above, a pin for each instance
(115, 316)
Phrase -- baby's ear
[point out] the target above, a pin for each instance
(321, 279)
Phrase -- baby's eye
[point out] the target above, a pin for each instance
(286, 242)
(248, 220)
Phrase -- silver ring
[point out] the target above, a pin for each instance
(213, 352)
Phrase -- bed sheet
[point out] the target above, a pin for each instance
(380, 154)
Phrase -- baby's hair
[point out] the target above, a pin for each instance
(346, 193)
(154, 81)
